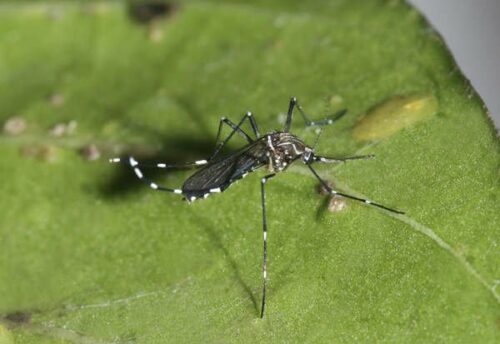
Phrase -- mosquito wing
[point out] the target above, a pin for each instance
(218, 175)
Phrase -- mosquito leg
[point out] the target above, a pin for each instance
(126, 161)
(264, 232)
(289, 116)
(253, 123)
(308, 122)
(325, 160)
(366, 201)
(136, 168)
(326, 121)
(236, 129)
(223, 120)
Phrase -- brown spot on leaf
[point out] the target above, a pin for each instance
(90, 152)
(322, 190)
(336, 204)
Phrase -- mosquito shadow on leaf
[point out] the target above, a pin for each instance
(174, 150)
(215, 239)
(322, 210)
(18, 318)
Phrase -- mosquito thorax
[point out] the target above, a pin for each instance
(283, 149)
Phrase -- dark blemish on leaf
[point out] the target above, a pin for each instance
(333, 203)
(90, 152)
(146, 11)
(18, 317)
(393, 115)
(14, 126)
(321, 189)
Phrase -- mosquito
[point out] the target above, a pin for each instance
(277, 150)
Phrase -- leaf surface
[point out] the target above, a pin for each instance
(88, 254)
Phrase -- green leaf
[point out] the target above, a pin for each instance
(88, 254)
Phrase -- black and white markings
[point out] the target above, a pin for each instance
(276, 150)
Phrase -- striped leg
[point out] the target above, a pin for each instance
(307, 121)
(264, 232)
(223, 120)
(136, 167)
(134, 163)
(325, 160)
(366, 201)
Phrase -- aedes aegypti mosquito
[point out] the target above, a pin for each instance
(276, 150)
